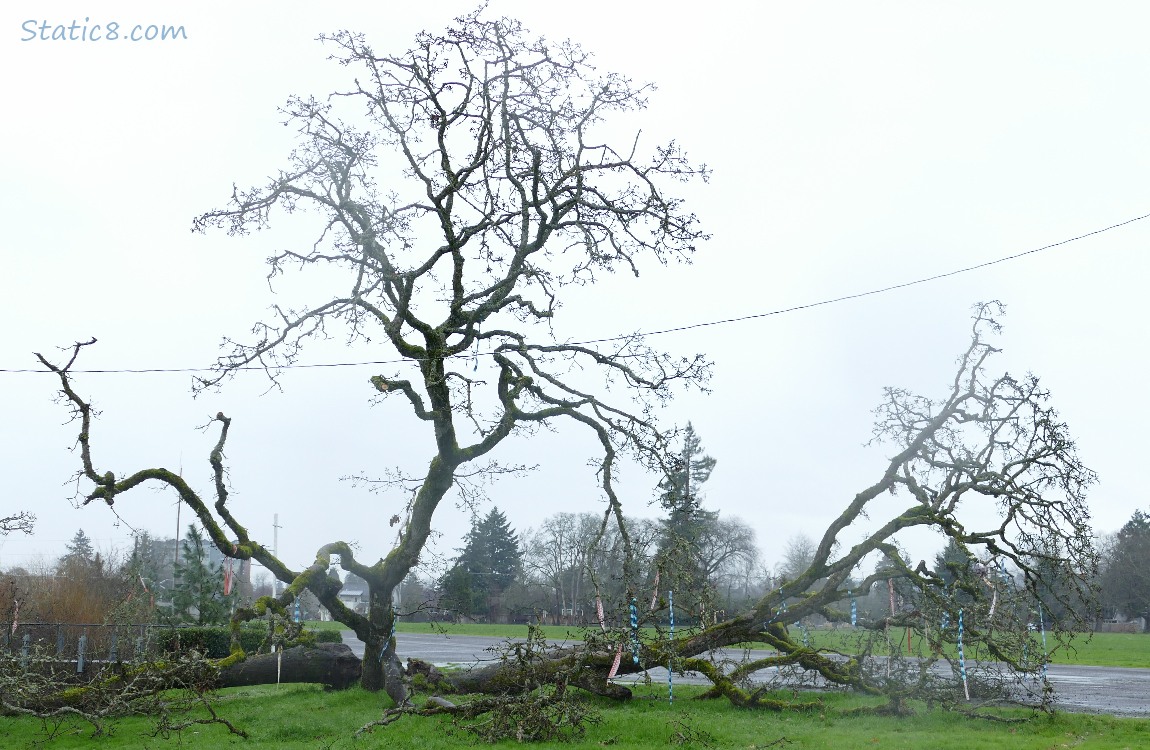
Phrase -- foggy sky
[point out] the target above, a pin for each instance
(854, 147)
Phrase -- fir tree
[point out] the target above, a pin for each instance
(681, 531)
(488, 563)
(199, 583)
(79, 550)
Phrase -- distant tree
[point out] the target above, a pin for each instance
(415, 597)
(686, 524)
(556, 555)
(1125, 580)
(607, 562)
(462, 592)
(79, 551)
(199, 583)
(798, 553)
(93, 588)
(83, 587)
(148, 576)
(680, 490)
(953, 562)
(262, 585)
(309, 607)
(153, 560)
(724, 547)
(489, 561)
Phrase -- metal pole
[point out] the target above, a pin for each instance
(276, 550)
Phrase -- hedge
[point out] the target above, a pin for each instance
(215, 641)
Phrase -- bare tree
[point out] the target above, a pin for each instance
(557, 554)
(725, 546)
(798, 554)
(461, 187)
(991, 467)
(22, 521)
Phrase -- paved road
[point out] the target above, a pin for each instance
(1108, 690)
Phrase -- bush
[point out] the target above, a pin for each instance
(215, 641)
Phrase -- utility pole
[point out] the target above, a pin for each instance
(687, 478)
(276, 550)
(179, 503)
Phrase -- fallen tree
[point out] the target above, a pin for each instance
(333, 665)
(989, 467)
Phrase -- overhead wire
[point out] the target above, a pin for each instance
(639, 334)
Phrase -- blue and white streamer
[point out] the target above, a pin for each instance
(962, 658)
(634, 632)
(670, 654)
(1042, 628)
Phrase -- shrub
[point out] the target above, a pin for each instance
(215, 641)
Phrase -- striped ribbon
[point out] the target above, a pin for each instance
(670, 654)
(1042, 628)
(962, 659)
(615, 664)
(634, 632)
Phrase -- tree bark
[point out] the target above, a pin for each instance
(330, 664)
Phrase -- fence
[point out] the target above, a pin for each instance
(83, 644)
(1118, 627)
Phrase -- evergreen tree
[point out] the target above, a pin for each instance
(152, 559)
(679, 490)
(686, 524)
(149, 574)
(199, 583)
(81, 562)
(79, 551)
(488, 563)
(1126, 581)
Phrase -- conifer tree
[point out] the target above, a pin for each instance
(685, 525)
(199, 583)
(488, 563)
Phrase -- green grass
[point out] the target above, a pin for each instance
(1108, 650)
(1098, 649)
(304, 716)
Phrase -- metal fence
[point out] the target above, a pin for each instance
(80, 643)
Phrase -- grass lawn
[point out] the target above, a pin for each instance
(304, 716)
(1098, 649)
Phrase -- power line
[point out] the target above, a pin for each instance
(677, 329)
(884, 289)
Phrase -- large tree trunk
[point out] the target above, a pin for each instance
(587, 667)
(330, 664)
(569, 664)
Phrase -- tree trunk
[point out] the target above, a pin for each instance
(504, 678)
(330, 664)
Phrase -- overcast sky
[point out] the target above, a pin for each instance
(854, 146)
